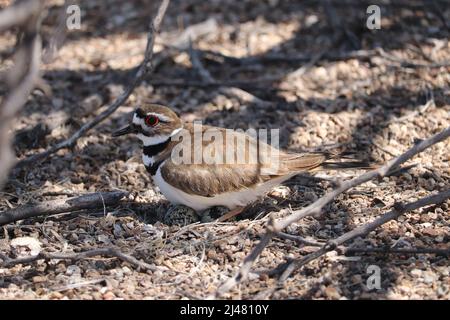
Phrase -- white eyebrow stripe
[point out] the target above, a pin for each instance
(137, 120)
(160, 116)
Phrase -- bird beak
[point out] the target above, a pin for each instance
(125, 130)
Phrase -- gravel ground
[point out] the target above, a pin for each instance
(374, 106)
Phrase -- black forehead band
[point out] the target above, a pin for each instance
(140, 113)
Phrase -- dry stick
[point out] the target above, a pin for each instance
(364, 229)
(274, 227)
(299, 239)
(388, 250)
(410, 64)
(241, 94)
(284, 58)
(195, 31)
(111, 252)
(22, 77)
(58, 37)
(249, 85)
(145, 68)
(87, 201)
(324, 55)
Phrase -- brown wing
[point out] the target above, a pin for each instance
(210, 180)
(250, 163)
(219, 174)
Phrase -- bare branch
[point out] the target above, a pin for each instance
(299, 239)
(195, 31)
(388, 250)
(254, 85)
(315, 208)
(284, 58)
(88, 201)
(110, 252)
(22, 77)
(145, 68)
(409, 64)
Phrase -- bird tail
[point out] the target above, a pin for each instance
(332, 165)
(315, 161)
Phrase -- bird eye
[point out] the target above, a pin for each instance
(151, 120)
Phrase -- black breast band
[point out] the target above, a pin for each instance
(153, 150)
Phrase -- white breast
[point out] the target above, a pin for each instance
(230, 200)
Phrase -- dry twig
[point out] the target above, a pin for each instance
(300, 240)
(389, 250)
(259, 85)
(410, 64)
(88, 201)
(110, 252)
(22, 77)
(195, 31)
(284, 58)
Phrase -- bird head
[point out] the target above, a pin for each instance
(153, 124)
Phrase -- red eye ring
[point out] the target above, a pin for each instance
(151, 120)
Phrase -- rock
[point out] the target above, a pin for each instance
(56, 295)
(281, 191)
(73, 269)
(39, 279)
(332, 293)
(126, 270)
(109, 296)
(112, 283)
(416, 272)
(26, 246)
(431, 232)
(429, 277)
(357, 278)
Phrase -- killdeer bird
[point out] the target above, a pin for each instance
(204, 184)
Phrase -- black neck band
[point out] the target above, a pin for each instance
(154, 149)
